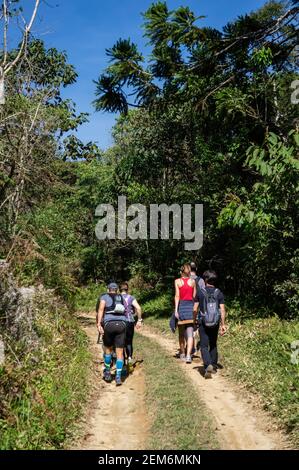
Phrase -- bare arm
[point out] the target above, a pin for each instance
(196, 304)
(97, 309)
(137, 308)
(139, 312)
(194, 290)
(100, 316)
(223, 327)
(176, 298)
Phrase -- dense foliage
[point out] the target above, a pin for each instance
(208, 118)
(215, 124)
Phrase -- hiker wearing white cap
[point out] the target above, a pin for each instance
(111, 322)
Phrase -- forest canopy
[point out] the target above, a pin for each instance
(208, 117)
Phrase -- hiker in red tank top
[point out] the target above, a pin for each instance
(186, 291)
(185, 311)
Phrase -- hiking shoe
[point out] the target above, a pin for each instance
(182, 357)
(214, 371)
(188, 359)
(208, 372)
(118, 380)
(107, 376)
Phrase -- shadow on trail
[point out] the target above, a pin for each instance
(200, 369)
(86, 321)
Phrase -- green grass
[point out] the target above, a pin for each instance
(42, 391)
(178, 419)
(158, 307)
(86, 297)
(257, 353)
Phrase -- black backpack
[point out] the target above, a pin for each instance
(211, 314)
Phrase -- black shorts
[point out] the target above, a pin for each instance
(115, 334)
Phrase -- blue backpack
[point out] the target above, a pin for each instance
(211, 314)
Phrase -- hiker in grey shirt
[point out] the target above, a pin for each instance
(111, 322)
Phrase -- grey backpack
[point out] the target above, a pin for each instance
(211, 314)
(118, 306)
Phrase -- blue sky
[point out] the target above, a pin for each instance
(86, 28)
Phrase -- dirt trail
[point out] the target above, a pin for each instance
(237, 424)
(116, 418)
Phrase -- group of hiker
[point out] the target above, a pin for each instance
(116, 322)
(199, 306)
(199, 310)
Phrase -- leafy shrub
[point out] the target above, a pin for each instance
(42, 390)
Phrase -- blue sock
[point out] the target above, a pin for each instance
(107, 361)
(119, 366)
